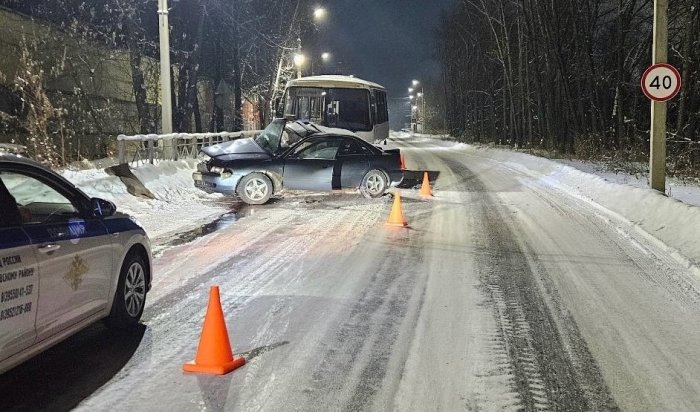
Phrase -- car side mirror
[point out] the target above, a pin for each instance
(102, 208)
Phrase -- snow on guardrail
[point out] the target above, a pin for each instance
(181, 145)
(184, 136)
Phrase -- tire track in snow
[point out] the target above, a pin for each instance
(544, 374)
(260, 266)
(353, 367)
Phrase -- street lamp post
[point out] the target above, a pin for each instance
(420, 114)
(165, 94)
(298, 58)
(422, 110)
(413, 111)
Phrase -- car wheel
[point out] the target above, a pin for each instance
(255, 189)
(130, 297)
(374, 184)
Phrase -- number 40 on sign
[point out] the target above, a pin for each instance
(661, 82)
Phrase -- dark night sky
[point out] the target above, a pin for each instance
(389, 42)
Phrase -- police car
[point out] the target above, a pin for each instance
(66, 261)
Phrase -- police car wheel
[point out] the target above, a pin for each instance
(130, 297)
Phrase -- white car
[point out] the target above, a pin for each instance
(66, 261)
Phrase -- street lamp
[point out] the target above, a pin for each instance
(299, 60)
(319, 13)
(417, 116)
(420, 114)
(325, 58)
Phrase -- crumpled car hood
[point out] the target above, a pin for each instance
(239, 147)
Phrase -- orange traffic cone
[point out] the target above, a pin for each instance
(396, 217)
(402, 162)
(214, 354)
(425, 190)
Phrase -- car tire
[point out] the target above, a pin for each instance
(130, 297)
(374, 184)
(255, 189)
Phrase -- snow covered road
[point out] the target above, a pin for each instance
(506, 293)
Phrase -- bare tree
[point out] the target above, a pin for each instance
(564, 75)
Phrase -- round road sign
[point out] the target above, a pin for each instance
(661, 82)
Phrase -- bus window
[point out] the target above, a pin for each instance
(382, 113)
(332, 113)
(304, 104)
(349, 108)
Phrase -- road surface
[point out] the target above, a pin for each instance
(505, 293)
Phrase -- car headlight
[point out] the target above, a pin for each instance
(225, 173)
(203, 157)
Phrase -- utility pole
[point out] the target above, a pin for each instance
(657, 153)
(165, 93)
(422, 111)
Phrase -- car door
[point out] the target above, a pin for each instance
(351, 164)
(73, 253)
(19, 280)
(309, 166)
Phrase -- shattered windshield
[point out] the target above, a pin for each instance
(269, 139)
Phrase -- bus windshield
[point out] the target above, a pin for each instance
(332, 107)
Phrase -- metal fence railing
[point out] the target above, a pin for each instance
(142, 148)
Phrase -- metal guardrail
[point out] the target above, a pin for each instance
(151, 147)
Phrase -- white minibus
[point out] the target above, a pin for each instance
(344, 102)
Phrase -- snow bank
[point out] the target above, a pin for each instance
(178, 204)
(674, 223)
(686, 191)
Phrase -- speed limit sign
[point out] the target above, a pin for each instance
(661, 82)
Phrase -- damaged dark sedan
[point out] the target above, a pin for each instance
(297, 156)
